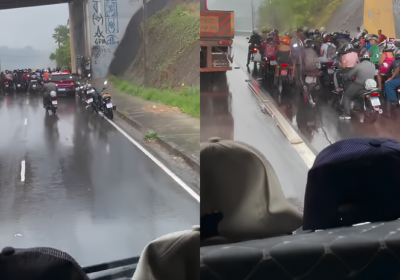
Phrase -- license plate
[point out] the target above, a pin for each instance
(19, 85)
(54, 102)
(284, 72)
(109, 105)
(311, 80)
(257, 57)
(61, 89)
(330, 71)
(6, 85)
(376, 72)
(220, 63)
(273, 62)
(90, 100)
(34, 86)
(375, 101)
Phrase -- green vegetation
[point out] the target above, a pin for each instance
(62, 56)
(151, 135)
(287, 14)
(188, 99)
(175, 32)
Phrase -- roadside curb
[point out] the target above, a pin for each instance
(297, 142)
(191, 162)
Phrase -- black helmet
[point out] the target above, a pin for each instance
(346, 48)
(308, 43)
(365, 57)
(356, 43)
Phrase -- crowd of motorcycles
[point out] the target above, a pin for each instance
(307, 70)
(23, 80)
(35, 81)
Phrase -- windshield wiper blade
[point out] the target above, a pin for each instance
(109, 265)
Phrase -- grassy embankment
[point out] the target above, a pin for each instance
(188, 99)
(174, 35)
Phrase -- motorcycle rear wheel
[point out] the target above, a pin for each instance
(110, 114)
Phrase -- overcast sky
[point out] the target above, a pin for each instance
(32, 26)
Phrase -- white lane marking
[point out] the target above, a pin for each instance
(162, 166)
(23, 171)
(26, 121)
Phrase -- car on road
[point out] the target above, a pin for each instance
(65, 84)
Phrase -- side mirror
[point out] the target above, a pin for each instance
(89, 75)
(247, 38)
(105, 82)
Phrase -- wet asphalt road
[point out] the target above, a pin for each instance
(88, 190)
(347, 16)
(230, 111)
(320, 126)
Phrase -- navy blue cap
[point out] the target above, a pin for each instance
(353, 181)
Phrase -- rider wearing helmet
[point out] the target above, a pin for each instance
(356, 44)
(10, 78)
(328, 49)
(277, 40)
(349, 59)
(309, 61)
(255, 40)
(374, 49)
(385, 60)
(317, 41)
(265, 31)
(322, 29)
(46, 92)
(362, 71)
(393, 83)
(283, 55)
(305, 30)
(46, 75)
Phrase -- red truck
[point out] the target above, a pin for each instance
(217, 30)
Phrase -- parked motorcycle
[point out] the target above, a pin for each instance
(52, 103)
(87, 92)
(103, 102)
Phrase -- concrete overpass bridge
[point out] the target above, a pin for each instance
(98, 29)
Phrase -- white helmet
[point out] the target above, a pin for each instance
(53, 93)
(322, 29)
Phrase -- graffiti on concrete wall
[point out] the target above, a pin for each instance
(109, 21)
